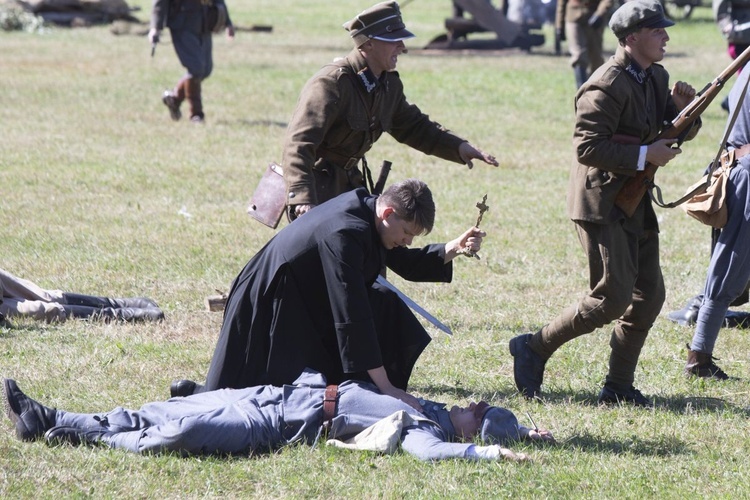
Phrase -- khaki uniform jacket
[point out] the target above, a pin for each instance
(615, 102)
(341, 112)
(573, 11)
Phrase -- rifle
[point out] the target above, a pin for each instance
(632, 191)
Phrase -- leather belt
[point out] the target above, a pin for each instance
(345, 162)
(329, 404)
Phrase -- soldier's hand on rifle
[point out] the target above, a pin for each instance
(302, 209)
(682, 94)
(230, 32)
(470, 240)
(153, 36)
(661, 152)
(467, 152)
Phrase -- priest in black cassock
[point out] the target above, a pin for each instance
(308, 298)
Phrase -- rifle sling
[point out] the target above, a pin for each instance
(655, 191)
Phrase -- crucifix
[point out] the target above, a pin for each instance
(483, 207)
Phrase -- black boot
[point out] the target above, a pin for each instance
(688, 315)
(134, 315)
(193, 96)
(77, 299)
(107, 314)
(183, 388)
(75, 436)
(31, 418)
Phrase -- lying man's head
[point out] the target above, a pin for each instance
(494, 424)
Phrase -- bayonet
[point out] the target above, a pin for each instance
(414, 306)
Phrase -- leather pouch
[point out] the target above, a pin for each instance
(269, 199)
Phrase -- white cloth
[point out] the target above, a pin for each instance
(383, 436)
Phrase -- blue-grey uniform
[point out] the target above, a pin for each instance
(729, 270)
(267, 417)
(190, 37)
(191, 24)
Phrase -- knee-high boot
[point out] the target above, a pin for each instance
(193, 95)
(77, 299)
(107, 314)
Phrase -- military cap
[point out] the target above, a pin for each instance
(636, 14)
(498, 425)
(381, 22)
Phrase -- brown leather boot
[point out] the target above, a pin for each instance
(172, 99)
(700, 364)
(193, 95)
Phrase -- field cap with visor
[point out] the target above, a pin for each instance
(381, 22)
(637, 14)
(498, 425)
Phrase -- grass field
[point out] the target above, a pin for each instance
(94, 176)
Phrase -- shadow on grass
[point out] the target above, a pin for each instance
(662, 447)
(20, 327)
(456, 392)
(677, 404)
(254, 123)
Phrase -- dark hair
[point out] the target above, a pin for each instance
(412, 201)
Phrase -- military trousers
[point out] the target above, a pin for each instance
(585, 45)
(627, 288)
(729, 270)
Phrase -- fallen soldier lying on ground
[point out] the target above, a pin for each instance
(264, 418)
(20, 297)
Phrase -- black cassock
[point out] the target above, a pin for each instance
(307, 300)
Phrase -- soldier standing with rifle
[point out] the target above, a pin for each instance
(345, 108)
(629, 95)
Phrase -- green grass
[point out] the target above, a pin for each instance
(94, 173)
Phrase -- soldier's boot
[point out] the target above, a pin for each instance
(193, 95)
(76, 299)
(700, 364)
(688, 315)
(581, 74)
(172, 99)
(76, 436)
(108, 314)
(30, 418)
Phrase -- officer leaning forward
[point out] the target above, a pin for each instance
(345, 107)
